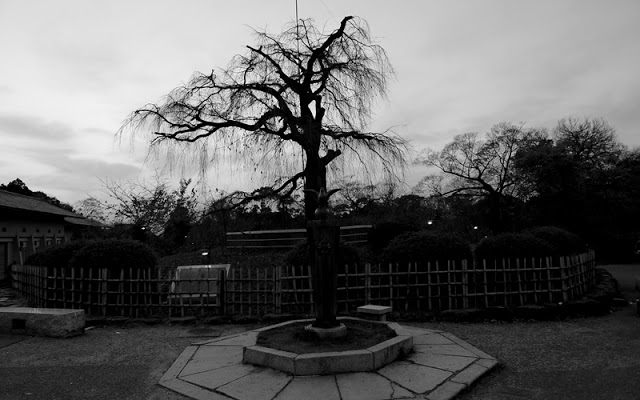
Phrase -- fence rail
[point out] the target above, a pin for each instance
(287, 289)
(289, 238)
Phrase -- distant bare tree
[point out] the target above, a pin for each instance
(479, 167)
(591, 142)
(142, 204)
(290, 106)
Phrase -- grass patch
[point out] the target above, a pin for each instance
(293, 338)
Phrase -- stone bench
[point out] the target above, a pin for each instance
(53, 322)
(371, 311)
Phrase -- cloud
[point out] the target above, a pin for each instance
(19, 127)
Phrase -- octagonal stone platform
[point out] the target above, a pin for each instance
(369, 359)
(440, 366)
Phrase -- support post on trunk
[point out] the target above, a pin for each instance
(324, 243)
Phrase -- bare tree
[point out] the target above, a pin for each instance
(591, 142)
(141, 204)
(291, 105)
(479, 168)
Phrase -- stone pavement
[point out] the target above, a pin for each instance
(440, 366)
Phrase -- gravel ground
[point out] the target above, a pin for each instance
(105, 363)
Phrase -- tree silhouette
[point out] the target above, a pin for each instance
(288, 108)
(481, 168)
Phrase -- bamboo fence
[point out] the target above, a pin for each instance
(409, 287)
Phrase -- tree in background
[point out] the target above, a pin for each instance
(145, 206)
(92, 208)
(584, 180)
(480, 169)
(18, 186)
(183, 215)
(288, 108)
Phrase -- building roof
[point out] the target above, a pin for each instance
(21, 202)
(83, 221)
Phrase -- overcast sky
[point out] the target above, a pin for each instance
(71, 72)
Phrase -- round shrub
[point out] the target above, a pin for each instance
(115, 255)
(510, 245)
(426, 246)
(562, 241)
(58, 256)
(383, 233)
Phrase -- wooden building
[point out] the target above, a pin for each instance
(28, 224)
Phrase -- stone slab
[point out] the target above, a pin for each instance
(446, 391)
(387, 351)
(373, 309)
(52, 322)
(212, 379)
(433, 338)
(469, 374)
(411, 331)
(447, 349)
(361, 385)
(417, 378)
(272, 358)
(488, 363)
(311, 388)
(242, 339)
(334, 362)
(441, 361)
(212, 357)
(192, 391)
(179, 364)
(467, 346)
(260, 385)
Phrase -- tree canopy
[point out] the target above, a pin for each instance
(480, 167)
(289, 108)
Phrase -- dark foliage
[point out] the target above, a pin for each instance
(426, 246)
(115, 254)
(347, 254)
(562, 241)
(511, 245)
(383, 233)
(58, 256)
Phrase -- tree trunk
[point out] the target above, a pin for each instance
(315, 179)
(495, 213)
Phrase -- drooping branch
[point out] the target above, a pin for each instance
(280, 102)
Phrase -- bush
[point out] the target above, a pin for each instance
(58, 256)
(115, 255)
(426, 246)
(562, 241)
(383, 233)
(511, 245)
(299, 255)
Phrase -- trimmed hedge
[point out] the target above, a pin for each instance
(383, 233)
(511, 245)
(58, 256)
(426, 246)
(115, 255)
(562, 241)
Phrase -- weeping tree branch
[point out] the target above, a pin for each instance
(290, 110)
